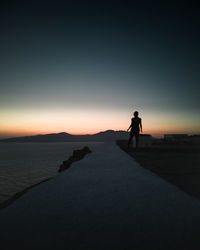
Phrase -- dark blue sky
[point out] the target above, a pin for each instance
(102, 59)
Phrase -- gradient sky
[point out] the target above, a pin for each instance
(85, 66)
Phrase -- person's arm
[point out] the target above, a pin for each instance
(141, 125)
(129, 127)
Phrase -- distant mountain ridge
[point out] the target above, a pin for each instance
(65, 137)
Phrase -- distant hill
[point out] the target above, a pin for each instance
(65, 137)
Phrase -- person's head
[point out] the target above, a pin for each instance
(136, 114)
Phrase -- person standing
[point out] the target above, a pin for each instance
(136, 128)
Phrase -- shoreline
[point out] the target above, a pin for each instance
(77, 155)
(17, 195)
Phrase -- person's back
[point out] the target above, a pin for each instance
(135, 124)
(136, 127)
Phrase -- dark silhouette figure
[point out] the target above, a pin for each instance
(136, 127)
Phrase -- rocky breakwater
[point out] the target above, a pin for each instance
(76, 156)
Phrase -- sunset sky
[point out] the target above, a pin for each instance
(86, 66)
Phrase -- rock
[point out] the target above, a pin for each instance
(76, 156)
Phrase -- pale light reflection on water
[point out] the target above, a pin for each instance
(25, 164)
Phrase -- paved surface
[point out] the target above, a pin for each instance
(105, 201)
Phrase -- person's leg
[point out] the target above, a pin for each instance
(136, 140)
(130, 139)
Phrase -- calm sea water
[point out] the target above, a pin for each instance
(25, 164)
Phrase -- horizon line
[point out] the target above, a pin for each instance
(156, 135)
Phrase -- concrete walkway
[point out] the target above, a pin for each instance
(105, 201)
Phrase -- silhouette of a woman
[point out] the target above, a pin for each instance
(136, 127)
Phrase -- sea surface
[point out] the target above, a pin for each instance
(25, 164)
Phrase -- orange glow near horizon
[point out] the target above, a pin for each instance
(81, 122)
(15, 132)
(21, 132)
